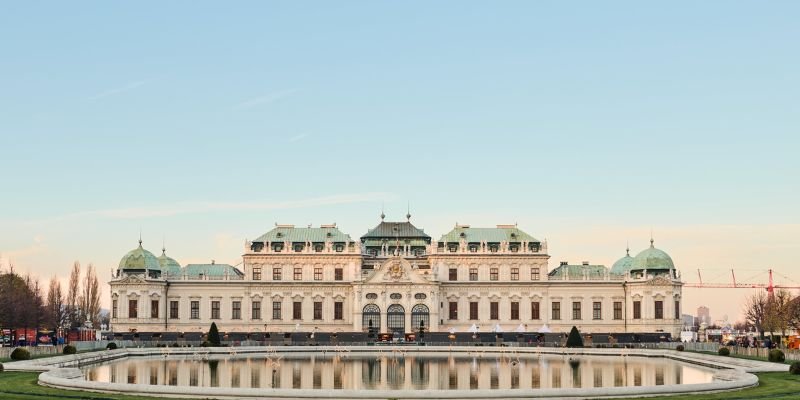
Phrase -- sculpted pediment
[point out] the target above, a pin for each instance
(396, 270)
(132, 280)
(659, 281)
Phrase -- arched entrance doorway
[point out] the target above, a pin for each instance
(371, 318)
(420, 313)
(396, 318)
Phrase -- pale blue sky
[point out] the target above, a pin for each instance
(587, 123)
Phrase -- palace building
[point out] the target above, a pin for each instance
(396, 278)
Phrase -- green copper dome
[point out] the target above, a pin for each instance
(652, 259)
(622, 265)
(139, 259)
(168, 265)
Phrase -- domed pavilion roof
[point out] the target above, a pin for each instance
(623, 265)
(168, 265)
(139, 259)
(652, 259)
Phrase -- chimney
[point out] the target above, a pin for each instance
(585, 263)
(564, 263)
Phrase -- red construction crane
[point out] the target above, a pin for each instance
(770, 287)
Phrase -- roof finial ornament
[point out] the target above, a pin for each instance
(651, 238)
(383, 215)
(408, 211)
(164, 245)
(627, 248)
(140, 237)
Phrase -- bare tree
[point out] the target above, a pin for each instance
(72, 295)
(755, 311)
(90, 297)
(56, 309)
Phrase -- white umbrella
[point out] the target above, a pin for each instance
(473, 328)
(545, 329)
(497, 328)
(452, 330)
(520, 328)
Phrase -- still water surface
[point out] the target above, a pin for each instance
(400, 372)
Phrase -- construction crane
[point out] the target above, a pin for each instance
(770, 286)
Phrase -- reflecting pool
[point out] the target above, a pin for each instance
(399, 371)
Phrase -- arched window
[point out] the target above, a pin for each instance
(372, 296)
(420, 314)
(395, 296)
(420, 296)
(371, 318)
(396, 318)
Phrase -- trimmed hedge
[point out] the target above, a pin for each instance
(776, 355)
(724, 351)
(680, 347)
(574, 339)
(794, 369)
(20, 354)
(111, 346)
(69, 349)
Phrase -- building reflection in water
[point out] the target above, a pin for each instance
(401, 372)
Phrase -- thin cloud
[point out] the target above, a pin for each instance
(123, 89)
(265, 99)
(204, 207)
(298, 137)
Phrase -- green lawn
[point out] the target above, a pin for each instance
(22, 385)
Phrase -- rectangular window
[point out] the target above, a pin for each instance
(473, 274)
(453, 314)
(317, 310)
(256, 273)
(659, 309)
(338, 310)
(153, 308)
(535, 310)
(514, 274)
(256, 314)
(297, 310)
(276, 273)
(114, 309)
(473, 310)
(276, 310)
(677, 309)
(173, 309)
(637, 310)
(317, 274)
(514, 310)
(133, 309)
(576, 310)
(597, 310)
(453, 274)
(535, 273)
(494, 310)
(236, 310)
(215, 309)
(556, 310)
(338, 274)
(298, 274)
(195, 309)
(617, 310)
(493, 274)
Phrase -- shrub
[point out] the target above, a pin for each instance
(205, 343)
(1, 367)
(111, 346)
(175, 345)
(794, 369)
(69, 349)
(776, 355)
(724, 351)
(574, 339)
(213, 335)
(680, 347)
(20, 354)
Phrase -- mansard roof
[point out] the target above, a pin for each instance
(503, 233)
(578, 271)
(325, 233)
(212, 269)
(392, 230)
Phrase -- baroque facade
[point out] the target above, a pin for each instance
(396, 278)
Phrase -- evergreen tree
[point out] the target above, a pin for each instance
(213, 335)
(574, 339)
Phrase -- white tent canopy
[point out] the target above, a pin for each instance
(520, 328)
(473, 328)
(497, 328)
(545, 329)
